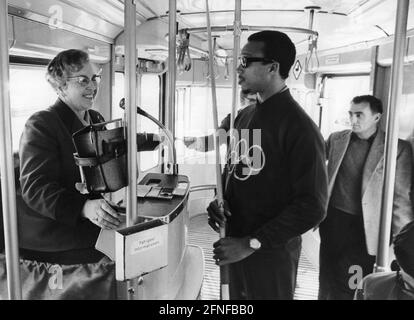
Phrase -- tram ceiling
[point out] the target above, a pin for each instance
(338, 23)
(104, 18)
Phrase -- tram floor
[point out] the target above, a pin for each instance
(202, 235)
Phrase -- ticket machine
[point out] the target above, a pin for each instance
(153, 259)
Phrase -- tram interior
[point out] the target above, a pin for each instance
(350, 55)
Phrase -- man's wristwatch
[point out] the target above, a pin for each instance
(254, 244)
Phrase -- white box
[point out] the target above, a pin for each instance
(141, 249)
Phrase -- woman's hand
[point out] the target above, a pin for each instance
(101, 213)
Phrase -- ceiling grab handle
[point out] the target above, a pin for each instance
(215, 64)
(224, 270)
(6, 167)
(312, 60)
(184, 58)
(391, 137)
(226, 69)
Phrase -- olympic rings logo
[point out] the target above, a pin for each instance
(251, 158)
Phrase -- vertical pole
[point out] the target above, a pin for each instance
(131, 102)
(6, 166)
(391, 143)
(131, 117)
(224, 270)
(130, 106)
(374, 70)
(172, 75)
(236, 53)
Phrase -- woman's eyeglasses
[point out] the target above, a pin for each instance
(246, 61)
(84, 81)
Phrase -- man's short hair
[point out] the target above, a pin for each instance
(375, 104)
(64, 64)
(277, 46)
(404, 248)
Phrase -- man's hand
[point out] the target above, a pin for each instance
(158, 137)
(101, 213)
(190, 142)
(230, 250)
(216, 218)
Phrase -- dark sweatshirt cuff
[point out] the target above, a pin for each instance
(69, 209)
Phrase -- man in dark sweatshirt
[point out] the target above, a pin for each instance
(275, 181)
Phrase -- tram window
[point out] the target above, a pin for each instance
(194, 115)
(306, 99)
(150, 102)
(118, 94)
(29, 93)
(406, 116)
(338, 94)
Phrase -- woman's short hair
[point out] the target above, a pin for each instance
(64, 64)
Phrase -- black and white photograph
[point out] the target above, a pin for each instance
(204, 158)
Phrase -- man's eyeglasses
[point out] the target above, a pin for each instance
(246, 61)
(84, 81)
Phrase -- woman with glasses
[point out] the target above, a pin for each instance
(58, 225)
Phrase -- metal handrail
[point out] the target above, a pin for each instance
(224, 270)
(206, 187)
(130, 98)
(131, 119)
(172, 72)
(6, 167)
(253, 28)
(236, 52)
(391, 143)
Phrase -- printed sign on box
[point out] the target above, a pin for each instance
(141, 249)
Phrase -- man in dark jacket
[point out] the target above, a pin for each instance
(276, 182)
